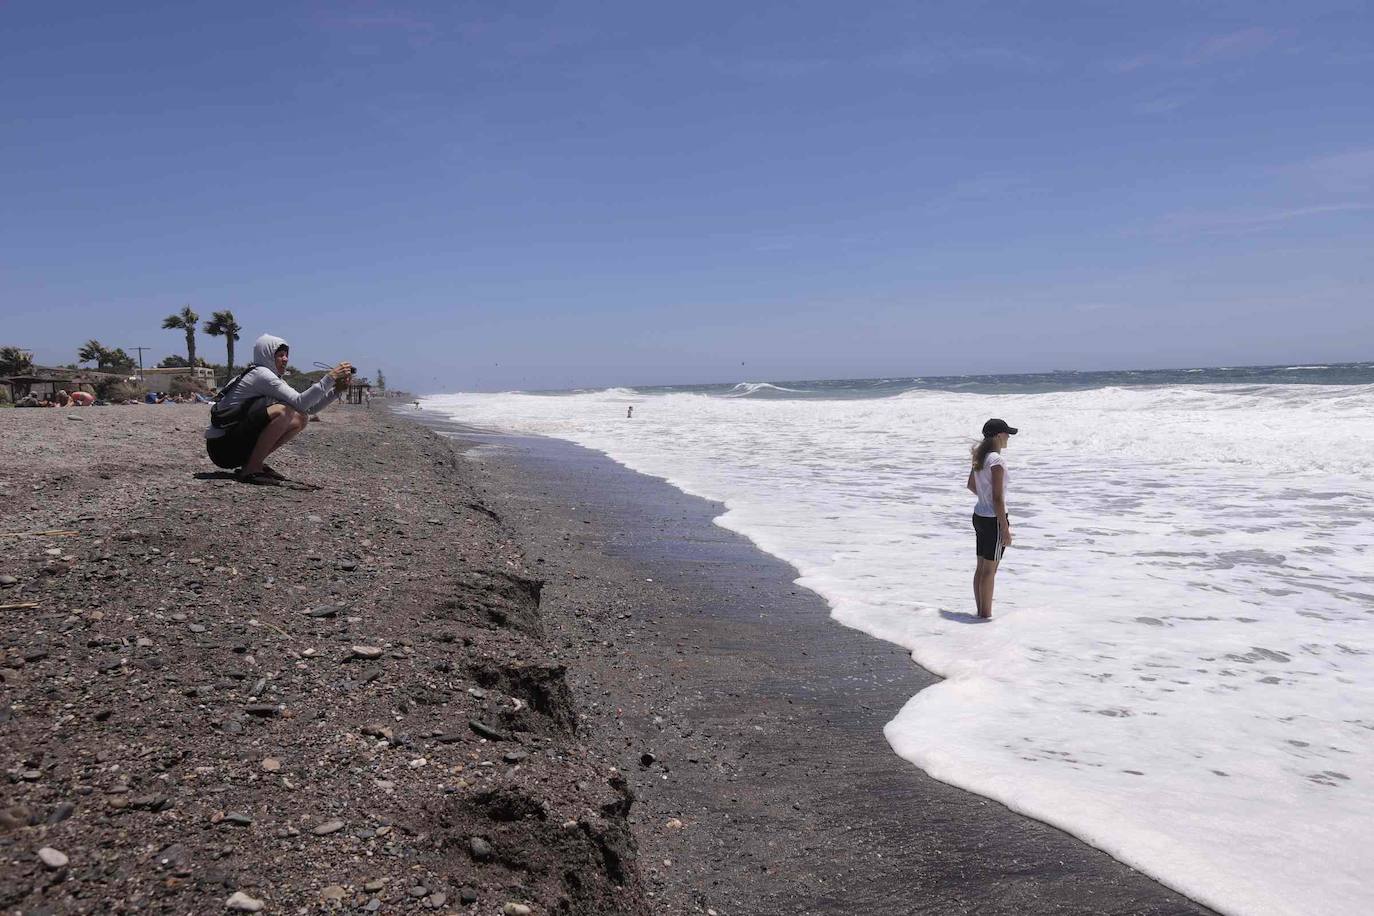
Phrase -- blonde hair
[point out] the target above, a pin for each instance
(980, 450)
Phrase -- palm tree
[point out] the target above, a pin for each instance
(93, 351)
(184, 320)
(222, 324)
(14, 361)
(105, 359)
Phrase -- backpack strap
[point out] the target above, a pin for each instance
(234, 383)
(223, 419)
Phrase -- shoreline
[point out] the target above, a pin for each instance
(810, 811)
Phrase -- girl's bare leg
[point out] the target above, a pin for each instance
(983, 585)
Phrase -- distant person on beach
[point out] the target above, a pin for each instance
(81, 398)
(257, 413)
(629, 412)
(992, 530)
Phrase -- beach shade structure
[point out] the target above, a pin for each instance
(23, 385)
(358, 390)
(45, 383)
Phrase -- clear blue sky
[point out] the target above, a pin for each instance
(545, 195)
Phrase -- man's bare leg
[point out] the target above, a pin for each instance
(284, 426)
(302, 421)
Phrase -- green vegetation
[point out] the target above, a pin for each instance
(222, 324)
(302, 380)
(14, 361)
(105, 359)
(118, 391)
(184, 320)
(179, 362)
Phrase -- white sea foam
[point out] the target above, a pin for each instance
(744, 389)
(1180, 670)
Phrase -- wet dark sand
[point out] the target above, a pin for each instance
(763, 717)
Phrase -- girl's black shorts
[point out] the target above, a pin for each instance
(989, 536)
(232, 449)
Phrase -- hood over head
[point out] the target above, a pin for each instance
(265, 352)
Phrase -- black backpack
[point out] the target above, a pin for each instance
(221, 418)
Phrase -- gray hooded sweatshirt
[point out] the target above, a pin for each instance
(262, 381)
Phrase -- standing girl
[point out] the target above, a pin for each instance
(988, 480)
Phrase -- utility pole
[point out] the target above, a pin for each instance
(140, 359)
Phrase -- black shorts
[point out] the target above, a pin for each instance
(232, 449)
(989, 537)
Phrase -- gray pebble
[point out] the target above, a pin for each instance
(52, 858)
(242, 903)
(61, 813)
(486, 731)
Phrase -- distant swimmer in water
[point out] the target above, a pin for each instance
(988, 480)
(629, 412)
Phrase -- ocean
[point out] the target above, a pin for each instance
(1181, 666)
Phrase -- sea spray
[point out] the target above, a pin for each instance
(1179, 669)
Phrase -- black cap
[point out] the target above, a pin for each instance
(995, 427)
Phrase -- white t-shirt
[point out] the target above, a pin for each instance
(983, 481)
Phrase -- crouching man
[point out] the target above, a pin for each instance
(257, 413)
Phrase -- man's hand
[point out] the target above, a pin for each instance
(342, 375)
(1006, 534)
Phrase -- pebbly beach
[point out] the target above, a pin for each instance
(444, 670)
(704, 460)
(337, 693)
